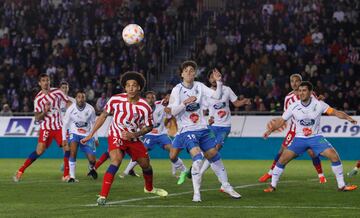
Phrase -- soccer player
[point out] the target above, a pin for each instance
(354, 171)
(307, 113)
(295, 80)
(220, 114)
(186, 104)
(79, 119)
(158, 135)
(47, 111)
(132, 118)
(64, 87)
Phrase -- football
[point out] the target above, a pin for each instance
(132, 34)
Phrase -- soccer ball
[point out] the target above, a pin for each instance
(132, 34)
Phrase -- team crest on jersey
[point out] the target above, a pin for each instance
(219, 105)
(221, 113)
(307, 122)
(192, 107)
(194, 117)
(81, 124)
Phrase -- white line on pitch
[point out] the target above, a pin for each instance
(180, 193)
(233, 207)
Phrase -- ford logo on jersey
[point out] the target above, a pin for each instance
(219, 105)
(307, 122)
(193, 106)
(81, 124)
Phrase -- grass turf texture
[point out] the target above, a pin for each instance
(41, 193)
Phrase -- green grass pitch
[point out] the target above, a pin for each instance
(42, 194)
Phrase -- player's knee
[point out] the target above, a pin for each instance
(144, 163)
(210, 153)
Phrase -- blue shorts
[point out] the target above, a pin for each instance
(221, 133)
(150, 141)
(88, 148)
(204, 139)
(317, 143)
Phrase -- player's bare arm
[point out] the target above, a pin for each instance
(132, 135)
(242, 102)
(279, 122)
(341, 115)
(98, 123)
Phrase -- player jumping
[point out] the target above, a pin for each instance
(186, 104)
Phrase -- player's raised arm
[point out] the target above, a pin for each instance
(219, 85)
(339, 114)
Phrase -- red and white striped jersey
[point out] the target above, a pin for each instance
(52, 119)
(127, 116)
(289, 99)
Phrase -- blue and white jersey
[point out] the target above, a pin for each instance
(79, 121)
(159, 117)
(220, 109)
(191, 117)
(306, 117)
(63, 106)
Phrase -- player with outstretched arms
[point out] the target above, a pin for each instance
(186, 104)
(47, 110)
(79, 120)
(220, 114)
(293, 96)
(307, 114)
(132, 118)
(158, 135)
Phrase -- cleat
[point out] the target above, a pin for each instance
(322, 179)
(122, 176)
(132, 173)
(65, 178)
(265, 177)
(72, 180)
(182, 177)
(230, 191)
(157, 191)
(188, 173)
(101, 200)
(348, 188)
(269, 189)
(353, 172)
(93, 174)
(17, 176)
(196, 197)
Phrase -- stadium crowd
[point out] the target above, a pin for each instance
(258, 44)
(255, 44)
(80, 42)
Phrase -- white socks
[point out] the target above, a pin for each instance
(196, 176)
(220, 171)
(129, 167)
(277, 171)
(179, 165)
(205, 166)
(338, 171)
(72, 167)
